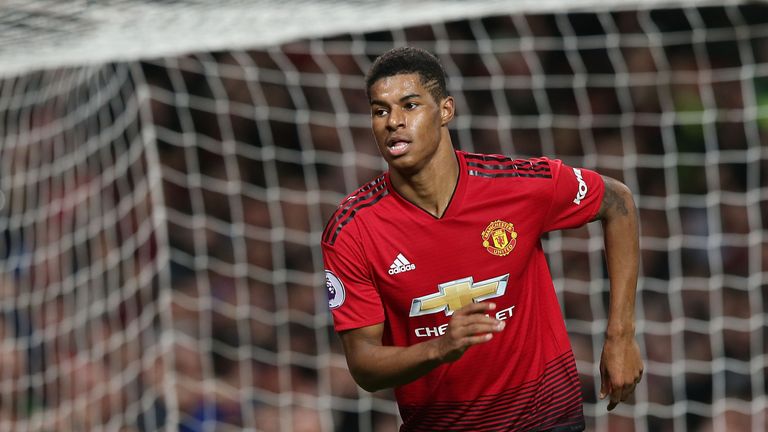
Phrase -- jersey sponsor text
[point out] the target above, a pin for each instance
(501, 315)
(582, 192)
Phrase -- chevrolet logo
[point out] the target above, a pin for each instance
(452, 296)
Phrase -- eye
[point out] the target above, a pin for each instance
(410, 105)
(379, 112)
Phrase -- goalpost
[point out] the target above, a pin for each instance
(166, 169)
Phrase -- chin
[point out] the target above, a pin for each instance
(404, 164)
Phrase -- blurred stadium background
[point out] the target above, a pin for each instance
(166, 169)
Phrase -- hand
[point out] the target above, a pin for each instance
(468, 326)
(620, 369)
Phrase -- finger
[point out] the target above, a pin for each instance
(476, 308)
(477, 339)
(473, 325)
(620, 394)
(482, 328)
(605, 387)
(462, 327)
(474, 319)
(627, 391)
(615, 397)
(612, 405)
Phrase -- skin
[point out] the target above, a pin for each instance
(425, 171)
(621, 367)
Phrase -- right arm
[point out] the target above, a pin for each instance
(375, 366)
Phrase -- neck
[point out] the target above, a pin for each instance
(432, 187)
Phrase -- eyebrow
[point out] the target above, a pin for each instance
(402, 99)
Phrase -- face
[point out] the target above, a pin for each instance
(407, 122)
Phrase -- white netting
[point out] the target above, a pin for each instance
(161, 213)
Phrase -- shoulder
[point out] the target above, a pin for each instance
(500, 166)
(353, 205)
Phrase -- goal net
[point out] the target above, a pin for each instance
(166, 170)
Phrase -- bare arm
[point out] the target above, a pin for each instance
(375, 366)
(620, 365)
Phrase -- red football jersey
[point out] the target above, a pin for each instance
(388, 261)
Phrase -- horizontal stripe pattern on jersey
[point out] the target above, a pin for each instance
(491, 166)
(552, 401)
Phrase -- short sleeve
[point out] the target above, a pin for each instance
(353, 298)
(576, 196)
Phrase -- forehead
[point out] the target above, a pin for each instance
(397, 86)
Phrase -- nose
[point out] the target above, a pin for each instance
(396, 119)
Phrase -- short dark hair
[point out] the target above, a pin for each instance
(409, 60)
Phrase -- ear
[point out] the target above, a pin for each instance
(447, 110)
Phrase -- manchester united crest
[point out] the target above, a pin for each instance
(499, 238)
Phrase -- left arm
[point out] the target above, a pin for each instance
(621, 367)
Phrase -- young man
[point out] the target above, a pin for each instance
(436, 277)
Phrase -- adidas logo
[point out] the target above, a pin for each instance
(401, 265)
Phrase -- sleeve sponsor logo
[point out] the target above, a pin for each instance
(335, 289)
(582, 192)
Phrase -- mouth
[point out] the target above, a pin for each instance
(397, 146)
